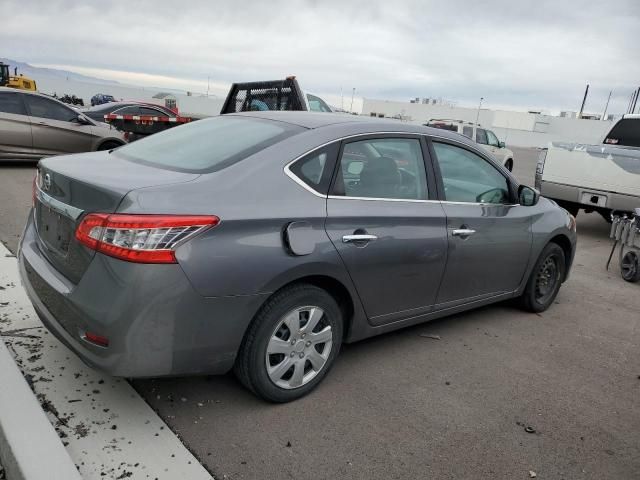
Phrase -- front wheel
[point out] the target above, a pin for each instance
(545, 279)
(291, 344)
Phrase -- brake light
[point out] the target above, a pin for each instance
(140, 238)
(96, 339)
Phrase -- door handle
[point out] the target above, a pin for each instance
(358, 238)
(462, 232)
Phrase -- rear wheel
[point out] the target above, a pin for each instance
(630, 267)
(545, 279)
(509, 165)
(109, 145)
(291, 344)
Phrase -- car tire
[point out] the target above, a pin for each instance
(109, 146)
(545, 279)
(280, 364)
(630, 267)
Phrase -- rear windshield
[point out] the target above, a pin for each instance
(625, 133)
(443, 126)
(207, 145)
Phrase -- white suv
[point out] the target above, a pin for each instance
(486, 138)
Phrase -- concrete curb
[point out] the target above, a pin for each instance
(30, 448)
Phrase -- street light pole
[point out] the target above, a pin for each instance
(479, 106)
(353, 92)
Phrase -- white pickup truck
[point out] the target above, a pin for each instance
(597, 178)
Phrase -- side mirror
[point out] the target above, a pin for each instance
(501, 144)
(527, 196)
(82, 120)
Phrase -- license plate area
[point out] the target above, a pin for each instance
(595, 199)
(54, 228)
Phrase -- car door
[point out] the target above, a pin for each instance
(489, 234)
(55, 127)
(16, 142)
(384, 219)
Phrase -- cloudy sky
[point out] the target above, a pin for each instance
(516, 54)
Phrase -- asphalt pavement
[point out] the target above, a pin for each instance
(498, 393)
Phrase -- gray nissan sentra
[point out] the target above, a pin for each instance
(263, 241)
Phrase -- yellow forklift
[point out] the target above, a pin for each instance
(16, 81)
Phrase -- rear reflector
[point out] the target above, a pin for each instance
(140, 238)
(96, 339)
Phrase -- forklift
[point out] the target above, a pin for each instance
(16, 81)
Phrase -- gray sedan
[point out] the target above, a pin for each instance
(33, 126)
(263, 241)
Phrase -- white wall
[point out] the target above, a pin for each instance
(519, 129)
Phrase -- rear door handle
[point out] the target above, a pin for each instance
(358, 238)
(462, 232)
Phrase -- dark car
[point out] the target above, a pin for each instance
(100, 98)
(98, 112)
(263, 241)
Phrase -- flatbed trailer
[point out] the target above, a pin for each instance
(142, 125)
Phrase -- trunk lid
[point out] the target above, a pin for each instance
(71, 186)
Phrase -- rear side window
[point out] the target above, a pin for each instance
(207, 145)
(467, 131)
(382, 168)
(316, 104)
(44, 108)
(11, 103)
(625, 133)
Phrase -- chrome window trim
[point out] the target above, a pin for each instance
(299, 181)
(57, 206)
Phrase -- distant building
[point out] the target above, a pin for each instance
(170, 100)
(568, 114)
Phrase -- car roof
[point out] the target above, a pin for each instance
(363, 124)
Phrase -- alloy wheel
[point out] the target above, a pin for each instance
(299, 347)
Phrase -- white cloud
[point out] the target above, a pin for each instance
(535, 54)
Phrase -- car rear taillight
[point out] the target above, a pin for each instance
(140, 238)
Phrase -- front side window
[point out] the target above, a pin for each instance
(391, 168)
(468, 177)
(492, 139)
(207, 145)
(11, 103)
(44, 108)
(316, 104)
(481, 136)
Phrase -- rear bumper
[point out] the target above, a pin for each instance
(573, 194)
(157, 325)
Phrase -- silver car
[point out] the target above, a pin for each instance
(263, 241)
(33, 126)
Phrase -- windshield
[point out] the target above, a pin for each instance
(625, 133)
(207, 145)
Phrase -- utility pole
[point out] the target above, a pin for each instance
(635, 100)
(604, 114)
(479, 106)
(353, 92)
(584, 100)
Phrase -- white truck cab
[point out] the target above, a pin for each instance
(484, 137)
(601, 178)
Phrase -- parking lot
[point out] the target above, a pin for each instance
(492, 393)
